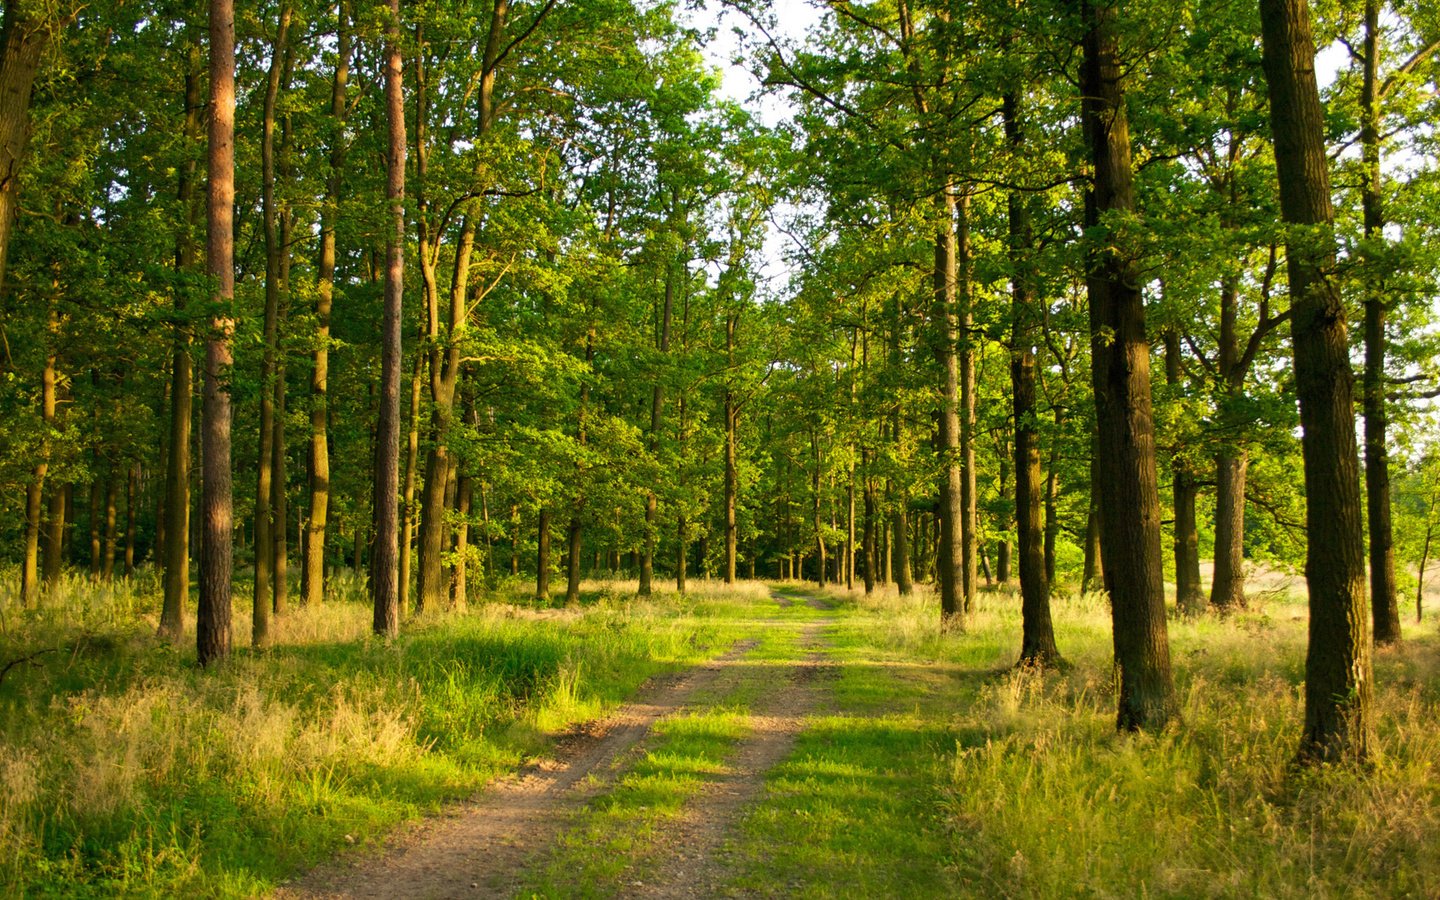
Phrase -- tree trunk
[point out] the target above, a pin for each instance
(1093, 571)
(1383, 602)
(1037, 642)
(899, 523)
(1130, 502)
(213, 627)
(1052, 502)
(969, 491)
(1227, 590)
(312, 576)
(264, 517)
(459, 576)
(112, 514)
(385, 560)
(176, 519)
(949, 557)
(279, 501)
(132, 490)
(34, 491)
(96, 491)
(445, 359)
(732, 471)
(22, 43)
(869, 535)
(408, 510)
(657, 410)
(53, 557)
(682, 553)
(1002, 544)
(542, 559)
(1338, 682)
(1189, 597)
(574, 536)
(515, 540)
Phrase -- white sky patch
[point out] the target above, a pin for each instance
(740, 84)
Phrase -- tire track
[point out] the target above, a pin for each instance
(693, 859)
(480, 848)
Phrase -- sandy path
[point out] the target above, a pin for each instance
(694, 859)
(480, 848)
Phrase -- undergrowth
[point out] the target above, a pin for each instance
(1042, 798)
(126, 770)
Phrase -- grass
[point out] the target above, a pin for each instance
(125, 770)
(932, 767)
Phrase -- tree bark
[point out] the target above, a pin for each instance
(132, 490)
(112, 512)
(22, 43)
(949, 557)
(1092, 576)
(459, 578)
(270, 214)
(542, 559)
(34, 490)
(1227, 589)
(408, 510)
(317, 523)
(1189, 598)
(213, 626)
(657, 412)
(385, 560)
(1338, 684)
(1384, 604)
(1052, 501)
(732, 471)
(574, 535)
(899, 519)
(1037, 642)
(1130, 502)
(177, 472)
(969, 491)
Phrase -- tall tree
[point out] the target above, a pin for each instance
(1037, 631)
(385, 565)
(1338, 683)
(265, 458)
(177, 471)
(1384, 604)
(25, 30)
(217, 515)
(317, 523)
(1120, 353)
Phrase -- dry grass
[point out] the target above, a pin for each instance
(126, 770)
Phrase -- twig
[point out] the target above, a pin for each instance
(23, 660)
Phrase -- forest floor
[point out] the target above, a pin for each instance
(757, 741)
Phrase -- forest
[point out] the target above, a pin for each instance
(721, 447)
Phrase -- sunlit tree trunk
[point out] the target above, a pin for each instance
(177, 472)
(542, 559)
(23, 39)
(949, 557)
(265, 465)
(385, 561)
(1189, 597)
(1384, 604)
(213, 626)
(1338, 683)
(34, 490)
(1129, 501)
(317, 523)
(1037, 642)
